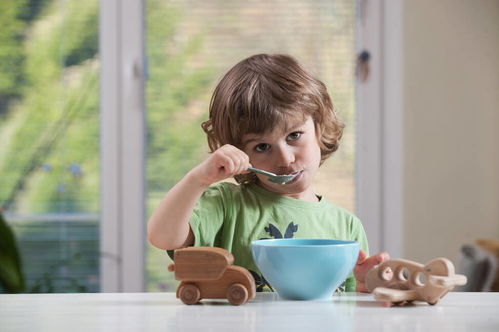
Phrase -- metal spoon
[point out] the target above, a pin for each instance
(280, 179)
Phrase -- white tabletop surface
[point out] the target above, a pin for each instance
(163, 312)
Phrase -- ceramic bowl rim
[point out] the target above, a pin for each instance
(274, 243)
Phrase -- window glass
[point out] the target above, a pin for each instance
(49, 140)
(191, 44)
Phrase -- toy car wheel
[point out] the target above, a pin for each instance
(237, 294)
(189, 294)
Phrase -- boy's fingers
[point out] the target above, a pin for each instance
(362, 257)
(364, 264)
(236, 159)
(377, 259)
(382, 257)
(228, 164)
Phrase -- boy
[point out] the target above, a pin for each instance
(267, 112)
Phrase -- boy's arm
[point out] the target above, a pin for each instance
(168, 228)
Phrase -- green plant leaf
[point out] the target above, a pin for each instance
(11, 276)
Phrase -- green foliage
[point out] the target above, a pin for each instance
(176, 90)
(49, 69)
(51, 282)
(11, 275)
(177, 95)
(11, 55)
(31, 8)
(15, 15)
(56, 122)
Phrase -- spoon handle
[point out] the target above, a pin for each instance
(256, 170)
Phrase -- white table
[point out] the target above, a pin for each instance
(139, 312)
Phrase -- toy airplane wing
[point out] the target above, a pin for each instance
(455, 280)
(384, 294)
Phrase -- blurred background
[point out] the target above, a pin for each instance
(50, 168)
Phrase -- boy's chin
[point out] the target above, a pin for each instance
(293, 188)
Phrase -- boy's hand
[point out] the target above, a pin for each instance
(364, 264)
(223, 163)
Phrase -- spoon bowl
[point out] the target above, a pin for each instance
(276, 178)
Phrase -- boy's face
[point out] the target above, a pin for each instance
(286, 151)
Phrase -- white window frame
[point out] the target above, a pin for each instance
(122, 226)
(379, 128)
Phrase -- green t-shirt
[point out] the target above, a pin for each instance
(230, 216)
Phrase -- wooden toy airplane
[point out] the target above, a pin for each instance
(400, 281)
(207, 272)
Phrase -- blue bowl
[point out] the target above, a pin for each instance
(305, 269)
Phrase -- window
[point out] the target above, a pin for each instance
(191, 44)
(50, 184)
(49, 140)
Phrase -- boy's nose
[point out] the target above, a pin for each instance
(285, 156)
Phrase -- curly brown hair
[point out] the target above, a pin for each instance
(263, 92)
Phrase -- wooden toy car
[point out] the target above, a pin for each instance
(207, 272)
(400, 281)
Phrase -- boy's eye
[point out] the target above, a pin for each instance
(262, 147)
(294, 136)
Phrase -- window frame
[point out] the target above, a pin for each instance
(380, 125)
(122, 120)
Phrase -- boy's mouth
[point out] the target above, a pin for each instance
(296, 178)
(288, 172)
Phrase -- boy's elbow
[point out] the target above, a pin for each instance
(168, 239)
(154, 238)
(161, 242)
(158, 241)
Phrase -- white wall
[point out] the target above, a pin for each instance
(451, 117)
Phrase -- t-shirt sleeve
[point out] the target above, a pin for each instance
(357, 234)
(208, 215)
